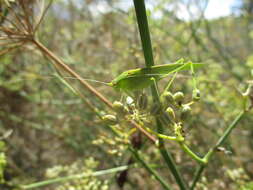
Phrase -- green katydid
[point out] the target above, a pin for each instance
(138, 79)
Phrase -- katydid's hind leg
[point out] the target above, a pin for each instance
(170, 83)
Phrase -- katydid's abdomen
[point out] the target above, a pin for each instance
(132, 83)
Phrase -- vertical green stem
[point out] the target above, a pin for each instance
(149, 60)
(140, 11)
(197, 176)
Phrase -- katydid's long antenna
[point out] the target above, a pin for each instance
(57, 76)
(91, 80)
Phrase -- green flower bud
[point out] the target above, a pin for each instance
(186, 110)
(170, 112)
(143, 101)
(168, 97)
(110, 119)
(196, 95)
(178, 97)
(119, 107)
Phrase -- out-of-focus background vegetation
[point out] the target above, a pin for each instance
(54, 133)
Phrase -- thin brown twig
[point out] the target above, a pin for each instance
(147, 134)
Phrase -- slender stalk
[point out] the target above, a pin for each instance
(192, 154)
(230, 128)
(73, 177)
(197, 176)
(151, 170)
(142, 20)
(182, 144)
(212, 150)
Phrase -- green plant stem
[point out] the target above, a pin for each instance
(197, 176)
(140, 11)
(212, 150)
(142, 20)
(173, 138)
(187, 150)
(73, 177)
(182, 144)
(151, 170)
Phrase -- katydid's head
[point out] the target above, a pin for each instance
(112, 84)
